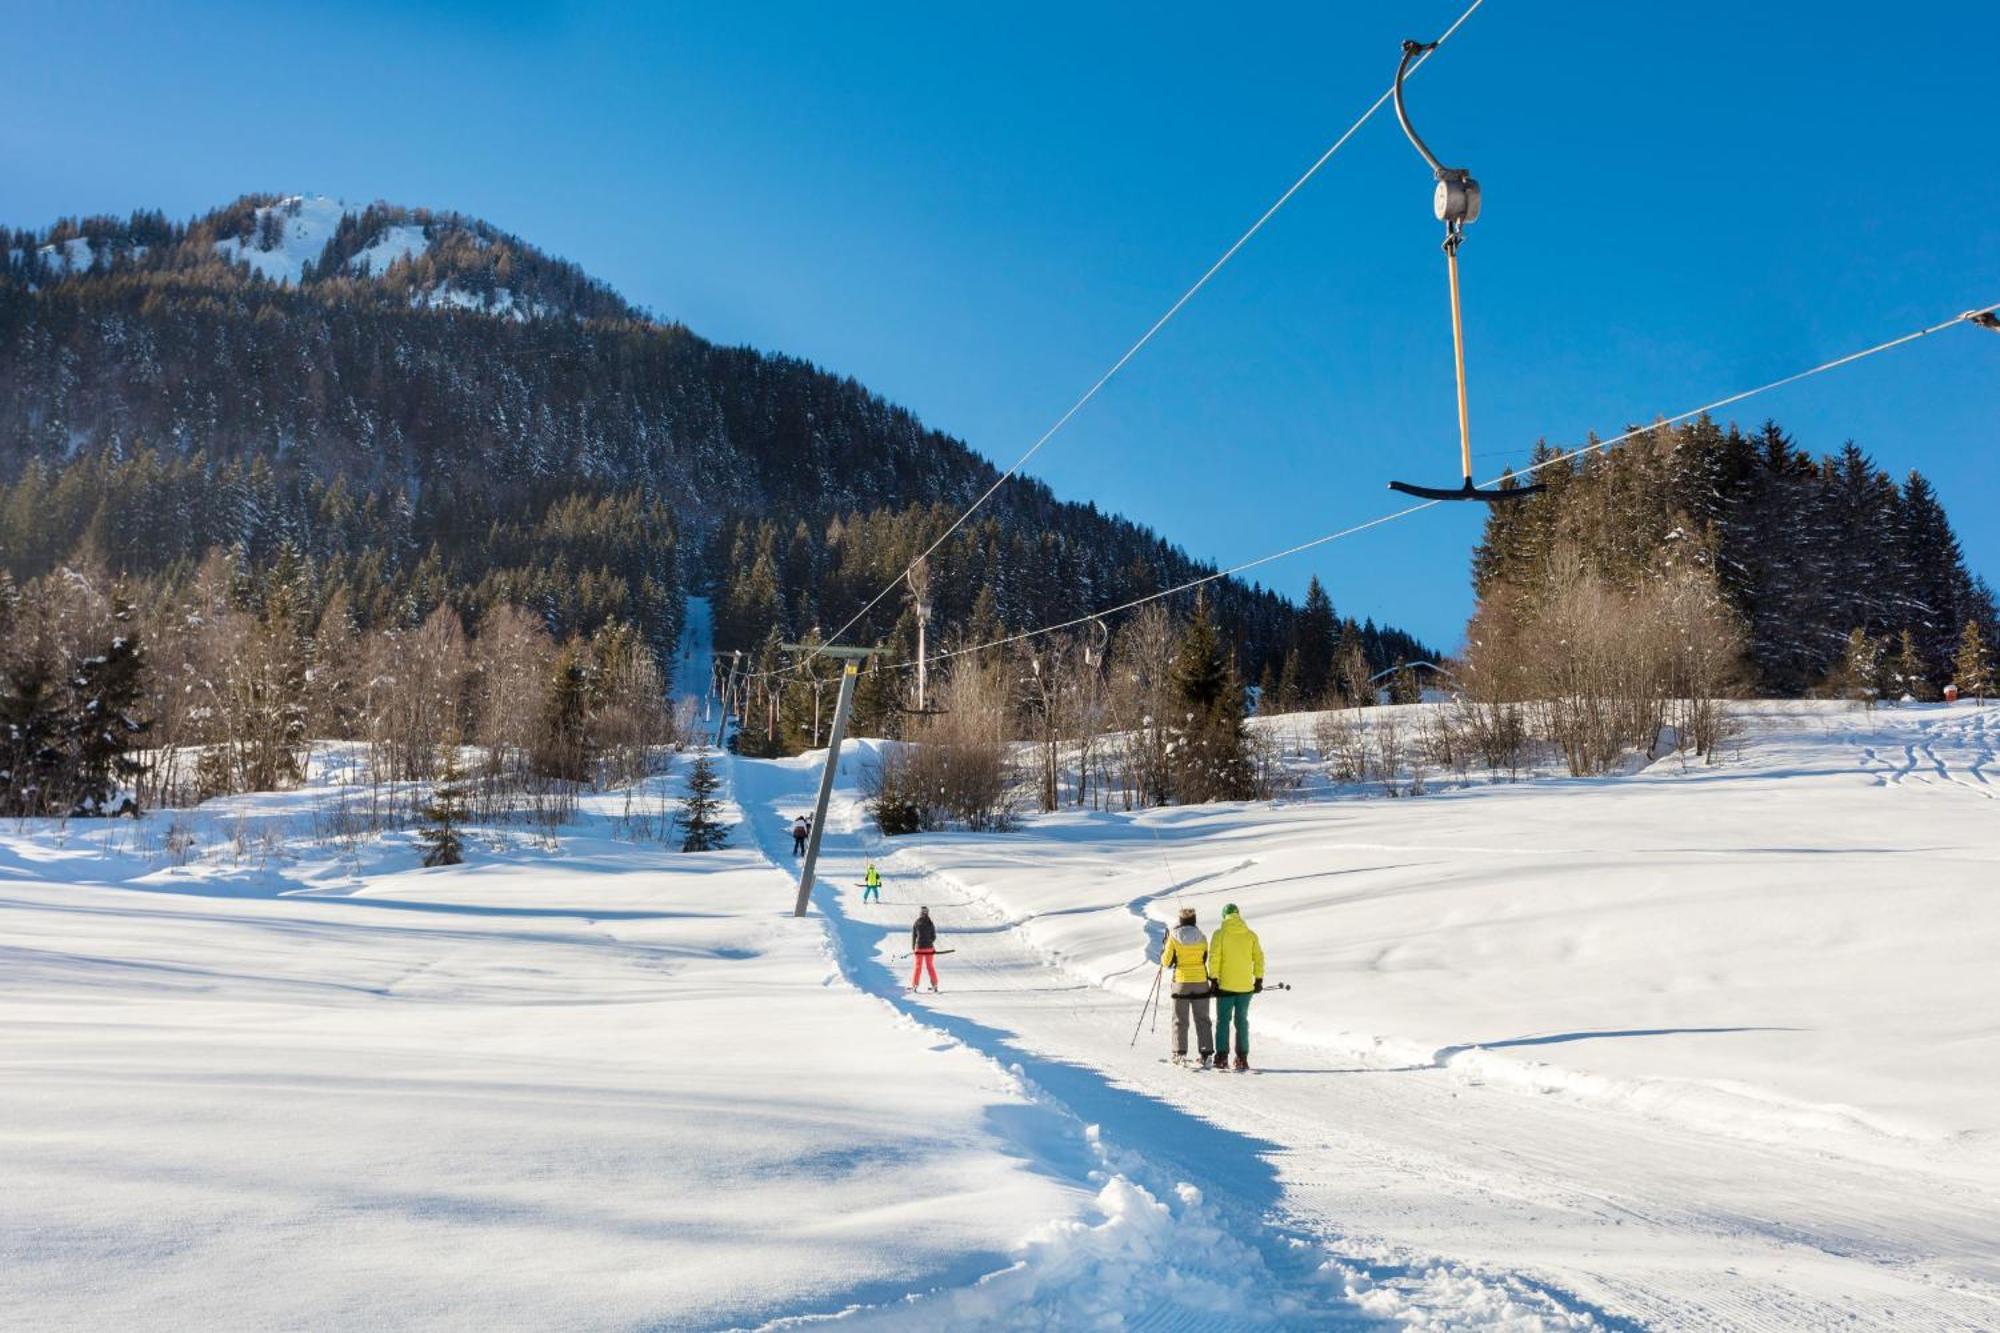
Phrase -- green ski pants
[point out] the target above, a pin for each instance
(1232, 1007)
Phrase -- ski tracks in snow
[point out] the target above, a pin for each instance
(1195, 1232)
(1366, 1192)
(1920, 764)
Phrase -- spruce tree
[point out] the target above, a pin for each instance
(1315, 644)
(107, 691)
(1351, 669)
(1859, 673)
(701, 831)
(31, 735)
(1972, 664)
(1290, 695)
(444, 814)
(1404, 687)
(1934, 569)
(1210, 760)
(1908, 674)
(562, 749)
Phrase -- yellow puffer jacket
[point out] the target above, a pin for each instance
(1187, 954)
(1235, 958)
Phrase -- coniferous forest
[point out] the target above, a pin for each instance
(464, 438)
(290, 471)
(1801, 551)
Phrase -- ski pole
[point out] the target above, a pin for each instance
(1151, 996)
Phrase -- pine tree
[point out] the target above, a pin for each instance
(1908, 674)
(31, 751)
(1933, 567)
(107, 691)
(1859, 673)
(1404, 687)
(1315, 646)
(444, 814)
(1210, 759)
(1290, 695)
(1972, 665)
(700, 829)
(1351, 669)
(562, 750)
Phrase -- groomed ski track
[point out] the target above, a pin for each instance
(1333, 1192)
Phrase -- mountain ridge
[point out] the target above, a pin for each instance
(433, 258)
(448, 376)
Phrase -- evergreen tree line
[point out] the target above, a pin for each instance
(115, 694)
(345, 379)
(1872, 669)
(985, 582)
(579, 561)
(341, 416)
(1803, 552)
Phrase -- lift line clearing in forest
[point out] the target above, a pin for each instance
(851, 660)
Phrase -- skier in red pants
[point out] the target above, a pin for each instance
(923, 945)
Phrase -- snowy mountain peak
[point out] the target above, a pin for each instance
(291, 234)
(343, 250)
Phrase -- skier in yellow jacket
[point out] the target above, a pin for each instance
(1236, 962)
(1186, 955)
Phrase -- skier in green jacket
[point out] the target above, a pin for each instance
(871, 884)
(1236, 963)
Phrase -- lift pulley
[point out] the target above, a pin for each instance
(1455, 202)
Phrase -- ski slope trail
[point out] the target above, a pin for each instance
(1431, 1185)
(1193, 1235)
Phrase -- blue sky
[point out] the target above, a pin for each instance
(973, 211)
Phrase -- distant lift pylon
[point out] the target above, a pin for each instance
(1455, 202)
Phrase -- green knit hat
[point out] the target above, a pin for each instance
(1230, 910)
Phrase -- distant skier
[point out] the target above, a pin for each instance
(871, 884)
(800, 829)
(923, 945)
(1186, 952)
(1236, 961)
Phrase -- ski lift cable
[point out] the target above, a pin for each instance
(1157, 324)
(1980, 316)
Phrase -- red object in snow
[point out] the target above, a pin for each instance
(1951, 694)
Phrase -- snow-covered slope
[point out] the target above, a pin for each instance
(259, 1072)
(402, 241)
(1700, 1048)
(1791, 942)
(304, 224)
(1710, 1048)
(292, 234)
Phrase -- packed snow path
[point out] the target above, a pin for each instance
(1445, 1189)
(1191, 1237)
